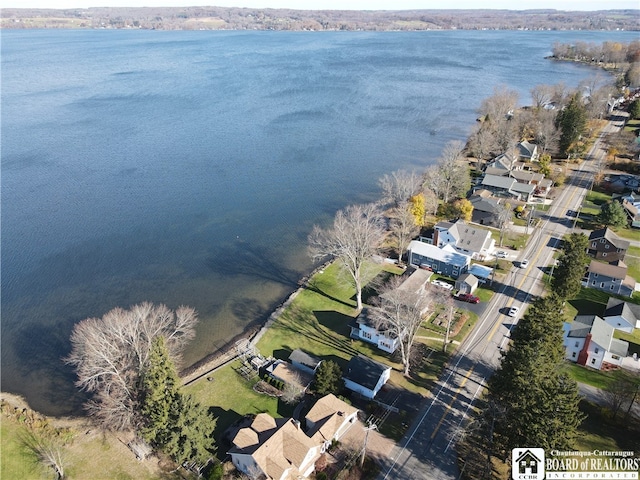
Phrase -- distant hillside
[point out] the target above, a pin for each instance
(221, 18)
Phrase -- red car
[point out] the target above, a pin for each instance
(467, 297)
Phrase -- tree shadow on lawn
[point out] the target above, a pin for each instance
(313, 286)
(227, 425)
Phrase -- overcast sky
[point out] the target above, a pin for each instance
(340, 4)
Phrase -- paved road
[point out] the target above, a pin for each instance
(428, 449)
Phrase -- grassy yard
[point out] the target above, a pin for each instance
(595, 378)
(317, 321)
(89, 453)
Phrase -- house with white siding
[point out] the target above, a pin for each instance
(589, 341)
(365, 376)
(622, 315)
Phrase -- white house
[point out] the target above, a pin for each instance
(588, 340)
(365, 329)
(622, 315)
(366, 376)
(467, 239)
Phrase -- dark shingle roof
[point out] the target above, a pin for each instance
(365, 371)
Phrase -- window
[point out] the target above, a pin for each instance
(593, 283)
(602, 240)
(604, 254)
(366, 335)
(611, 287)
(601, 284)
(593, 361)
(615, 357)
(573, 355)
(577, 344)
(593, 245)
(595, 275)
(606, 247)
(596, 351)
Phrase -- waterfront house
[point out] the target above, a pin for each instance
(485, 208)
(446, 260)
(622, 315)
(508, 187)
(589, 341)
(605, 245)
(467, 239)
(366, 329)
(610, 277)
(279, 449)
(527, 152)
(365, 376)
(304, 361)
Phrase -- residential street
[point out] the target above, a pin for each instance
(428, 449)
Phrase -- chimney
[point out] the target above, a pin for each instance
(584, 354)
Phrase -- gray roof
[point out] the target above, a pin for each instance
(523, 188)
(498, 182)
(601, 333)
(581, 325)
(469, 237)
(527, 149)
(365, 371)
(610, 235)
(468, 278)
(415, 281)
(446, 254)
(490, 205)
(524, 176)
(629, 311)
(304, 358)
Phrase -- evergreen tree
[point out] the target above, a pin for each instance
(192, 433)
(328, 378)
(571, 264)
(538, 403)
(634, 109)
(612, 214)
(159, 394)
(572, 122)
(173, 421)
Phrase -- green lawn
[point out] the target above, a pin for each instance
(590, 376)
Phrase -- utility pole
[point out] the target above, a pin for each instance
(372, 426)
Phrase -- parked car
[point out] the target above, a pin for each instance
(467, 297)
(524, 263)
(441, 284)
(513, 311)
(501, 254)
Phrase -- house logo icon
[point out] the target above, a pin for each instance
(527, 464)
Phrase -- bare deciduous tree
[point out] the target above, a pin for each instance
(355, 236)
(110, 353)
(502, 218)
(399, 186)
(403, 227)
(292, 390)
(542, 95)
(48, 451)
(482, 143)
(399, 311)
(450, 178)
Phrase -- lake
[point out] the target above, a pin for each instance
(189, 167)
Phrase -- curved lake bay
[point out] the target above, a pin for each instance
(189, 167)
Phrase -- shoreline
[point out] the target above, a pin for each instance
(252, 335)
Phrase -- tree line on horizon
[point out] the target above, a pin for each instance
(233, 18)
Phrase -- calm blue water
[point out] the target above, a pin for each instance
(189, 167)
